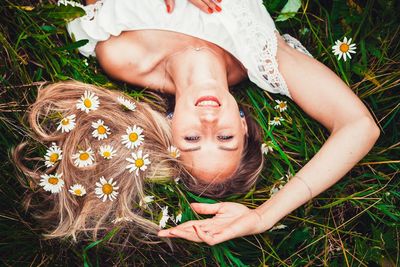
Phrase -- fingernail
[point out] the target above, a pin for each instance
(218, 8)
(210, 10)
(168, 8)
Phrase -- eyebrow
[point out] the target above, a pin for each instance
(199, 147)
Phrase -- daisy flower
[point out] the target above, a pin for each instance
(53, 154)
(107, 151)
(138, 161)
(52, 183)
(276, 121)
(127, 104)
(266, 148)
(101, 131)
(67, 124)
(146, 200)
(106, 189)
(89, 101)
(133, 138)
(77, 190)
(164, 217)
(174, 152)
(84, 158)
(281, 105)
(343, 48)
(178, 217)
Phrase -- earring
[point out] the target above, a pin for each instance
(170, 115)
(241, 113)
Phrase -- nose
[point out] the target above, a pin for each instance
(208, 118)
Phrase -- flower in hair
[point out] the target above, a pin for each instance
(106, 189)
(52, 183)
(134, 137)
(126, 103)
(146, 200)
(53, 154)
(107, 151)
(138, 161)
(265, 148)
(276, 121)
(164, 217)
(101, 131)
(174, 152)
(89, 101)
(83, 158)
(66, 124)
(77, 190)
(282, 105)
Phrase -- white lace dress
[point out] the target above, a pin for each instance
(243, 27)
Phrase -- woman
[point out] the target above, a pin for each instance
(197, 56)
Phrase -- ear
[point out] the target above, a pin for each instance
(244, 124)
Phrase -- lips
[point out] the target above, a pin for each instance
(208, 101)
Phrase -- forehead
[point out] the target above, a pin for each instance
(213, 165)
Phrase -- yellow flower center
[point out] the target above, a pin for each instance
(78, 192)
(282, 105)
(87, 103)
(84, 156)
(133, 137)
(106, 154)
(139, 163)
(276, 119)
(65, 121)
(173, 154)
(107, 189)
(53, 180)
(53, 157)
(344, 48)
(101, 129)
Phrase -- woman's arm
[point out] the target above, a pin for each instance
(327, 99)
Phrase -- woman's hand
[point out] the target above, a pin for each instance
(208, 6)
(231, 220)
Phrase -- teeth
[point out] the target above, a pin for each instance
(208, 103)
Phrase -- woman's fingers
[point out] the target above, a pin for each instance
(189, 235)
(203, 208)
(208, 6)
(170, 4)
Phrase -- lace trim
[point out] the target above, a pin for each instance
(263, 44)
(293, 42)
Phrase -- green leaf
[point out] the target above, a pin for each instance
(289, 10)
(202, 199)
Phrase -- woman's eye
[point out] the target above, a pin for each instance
(192, 138)
(225, 137)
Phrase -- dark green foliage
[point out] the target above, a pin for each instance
(354, 223)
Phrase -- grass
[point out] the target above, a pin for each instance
(354, 223)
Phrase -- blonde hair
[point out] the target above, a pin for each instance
(67, 215)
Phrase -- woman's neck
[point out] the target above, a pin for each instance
(192, 67)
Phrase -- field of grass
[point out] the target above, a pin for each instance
(354, 223)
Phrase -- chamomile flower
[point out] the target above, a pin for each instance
(139, 162)
(174, 152)
(276, 121)
(164, 217)
(89, 101)
(178, 217)
(101, 131)
(66, 124)
(53, 154)
(107, 151)
(52, 183)
(126, 103)
(282, 105)
(266, 148)
(77, 190)
(343, 48)
(134, 137)
(106, 189)
(146, 200)
(84, 158)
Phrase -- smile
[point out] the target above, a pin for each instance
(208, 101)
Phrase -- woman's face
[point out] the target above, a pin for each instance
(209, 132)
